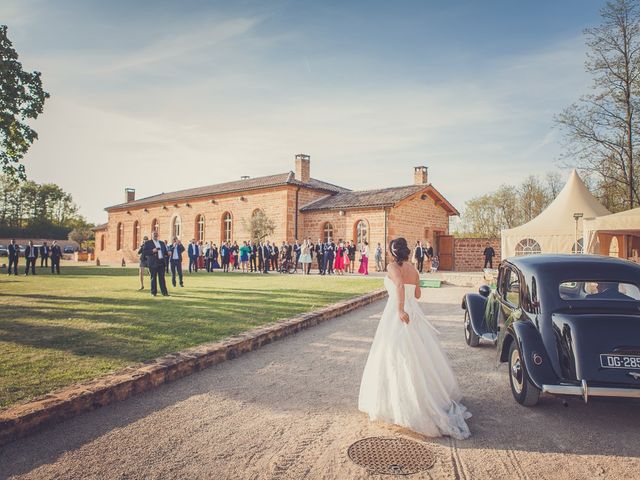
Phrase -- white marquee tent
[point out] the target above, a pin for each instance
(625, 224)
(554, 230)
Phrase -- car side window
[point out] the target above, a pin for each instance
(511, 287)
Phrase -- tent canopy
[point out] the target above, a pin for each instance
(623, 222)
(553, 231)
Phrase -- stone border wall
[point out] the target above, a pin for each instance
(21, 420)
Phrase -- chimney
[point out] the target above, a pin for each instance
(420, 176)
(129, 195)
(303, 168)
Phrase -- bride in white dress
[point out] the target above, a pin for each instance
(407, 380)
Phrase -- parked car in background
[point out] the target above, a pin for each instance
(565, 324)
(4, 251)
(68, 249)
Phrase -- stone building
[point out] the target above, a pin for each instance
(300, 206)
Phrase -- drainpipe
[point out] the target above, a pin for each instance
(384, 260)
(295, 221)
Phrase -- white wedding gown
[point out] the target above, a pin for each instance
(407, 380)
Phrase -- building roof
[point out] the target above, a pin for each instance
(102, 226)
(280, 179)
(384, 197)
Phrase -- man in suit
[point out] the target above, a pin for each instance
(320, 256)
(44, 255)
(56, 255)
(225, 256)
(14, 254)
(275, 256)
(266, 256)
(260, 257)
(30, 254)
(329, 255)
(194, 252)
(175, 254)
(419, 254)
(488, 254)
(252, 256)
(155, 251)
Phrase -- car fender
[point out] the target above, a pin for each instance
(475, 304)
(531, 345)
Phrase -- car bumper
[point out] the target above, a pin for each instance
(585, 391)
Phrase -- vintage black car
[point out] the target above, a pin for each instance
(565, 324)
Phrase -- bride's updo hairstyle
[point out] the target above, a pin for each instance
(399, 250)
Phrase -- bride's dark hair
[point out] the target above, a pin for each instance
(399, 250)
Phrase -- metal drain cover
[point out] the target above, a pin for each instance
(392, 456)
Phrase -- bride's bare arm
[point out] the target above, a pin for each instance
(418, 289)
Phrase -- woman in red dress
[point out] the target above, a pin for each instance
(338, 265)
(364, 259)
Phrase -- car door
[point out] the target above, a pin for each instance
(508, 295)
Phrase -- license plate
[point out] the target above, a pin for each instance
(608, 360)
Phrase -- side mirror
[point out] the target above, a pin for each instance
(484, 290)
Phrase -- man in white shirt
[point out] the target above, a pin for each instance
(175, 254)
(155, 251)
(30, 254)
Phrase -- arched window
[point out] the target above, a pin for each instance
(136, 235)
(614, 247)
(155, 226)
(527, 246)
(119, 236)
(199, 228)
(579, 247)
(227, 227)
(176, 227)
(327, 232)
(361, 232)
(102, 242)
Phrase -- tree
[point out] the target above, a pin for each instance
(21, 98)
(602, 127)
(81, 235)
(259, 226)
(509, 206)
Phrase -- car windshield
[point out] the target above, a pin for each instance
(599, 290)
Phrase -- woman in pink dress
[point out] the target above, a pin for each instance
(364, 259)
(338, 265)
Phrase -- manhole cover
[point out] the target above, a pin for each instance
(392, 456)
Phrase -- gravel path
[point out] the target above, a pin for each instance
(288, 411)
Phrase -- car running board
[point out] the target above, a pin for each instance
(492, 337)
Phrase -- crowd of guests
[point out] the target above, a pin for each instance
(423, 258)
(163, 257)
(31, 254)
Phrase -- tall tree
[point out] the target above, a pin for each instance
(21, 99)
(602, 126)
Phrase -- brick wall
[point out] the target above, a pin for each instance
(467, 253)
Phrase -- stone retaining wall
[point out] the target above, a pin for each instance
(21, 420)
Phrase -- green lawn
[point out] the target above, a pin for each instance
(57, 330)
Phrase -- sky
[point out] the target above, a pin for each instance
(163, 95)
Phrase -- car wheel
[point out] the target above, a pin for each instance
(470, 336)
(523, 390)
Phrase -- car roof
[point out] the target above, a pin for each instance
(576, 267)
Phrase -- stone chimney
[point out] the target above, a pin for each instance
(129, 195)
(303, 168)
(420, 175)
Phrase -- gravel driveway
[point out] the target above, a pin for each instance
(289, 411)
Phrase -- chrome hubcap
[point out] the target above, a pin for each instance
(467, 325)
(516, 371)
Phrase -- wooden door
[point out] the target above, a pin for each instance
(444, 250)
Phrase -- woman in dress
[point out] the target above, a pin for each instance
(305, 257)
(347, 258)
(245, 250)
(338, 264)
(408, 380)
(364, 259)
(214, 257)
